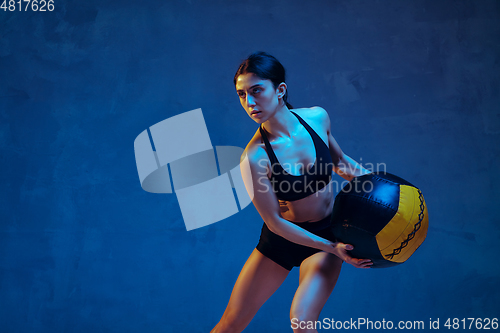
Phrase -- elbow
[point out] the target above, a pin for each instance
(338, 159)
(272, 223)
(271, 227)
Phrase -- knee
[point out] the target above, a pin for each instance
(328, 266)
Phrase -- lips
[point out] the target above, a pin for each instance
(254, 112)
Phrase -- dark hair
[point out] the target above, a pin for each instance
(266, 67)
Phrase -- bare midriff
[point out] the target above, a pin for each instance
(312, 208)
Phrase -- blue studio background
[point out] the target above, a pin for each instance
(412, 84)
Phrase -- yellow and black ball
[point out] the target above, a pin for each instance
(383, 216)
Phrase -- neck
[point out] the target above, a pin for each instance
(282, 123)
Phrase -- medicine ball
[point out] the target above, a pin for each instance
(383, 216)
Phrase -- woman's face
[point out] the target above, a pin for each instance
(257, 96)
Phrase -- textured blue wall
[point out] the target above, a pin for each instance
(412, 84)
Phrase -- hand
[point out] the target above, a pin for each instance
(283, 206)
(340, 250)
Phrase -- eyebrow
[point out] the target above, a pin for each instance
(255, 85)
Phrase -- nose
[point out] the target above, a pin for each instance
(250, 100)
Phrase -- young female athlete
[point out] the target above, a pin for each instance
(291, 158)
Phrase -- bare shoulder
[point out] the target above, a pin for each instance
(316, 116)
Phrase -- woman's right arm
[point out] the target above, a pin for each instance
(254, 169)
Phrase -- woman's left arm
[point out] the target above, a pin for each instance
(344, 166)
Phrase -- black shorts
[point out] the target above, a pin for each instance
(288, 254)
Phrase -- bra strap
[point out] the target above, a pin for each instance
(270, 151)
(312, 132)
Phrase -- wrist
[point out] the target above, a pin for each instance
(327, 246)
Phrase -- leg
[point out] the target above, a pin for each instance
(318, 275)
(258, 280)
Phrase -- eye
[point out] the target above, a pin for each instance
(257, 90)
(241, 94)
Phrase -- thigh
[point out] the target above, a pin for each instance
(318, 276)
(258, 280)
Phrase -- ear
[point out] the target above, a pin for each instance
(281, 89)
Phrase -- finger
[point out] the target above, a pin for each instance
(343, 245)
(362, 261)
(366, 265)
(363, 266)
(346, 246)
(365, 262)
(357, 260)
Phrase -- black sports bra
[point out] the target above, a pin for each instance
(289, 187)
